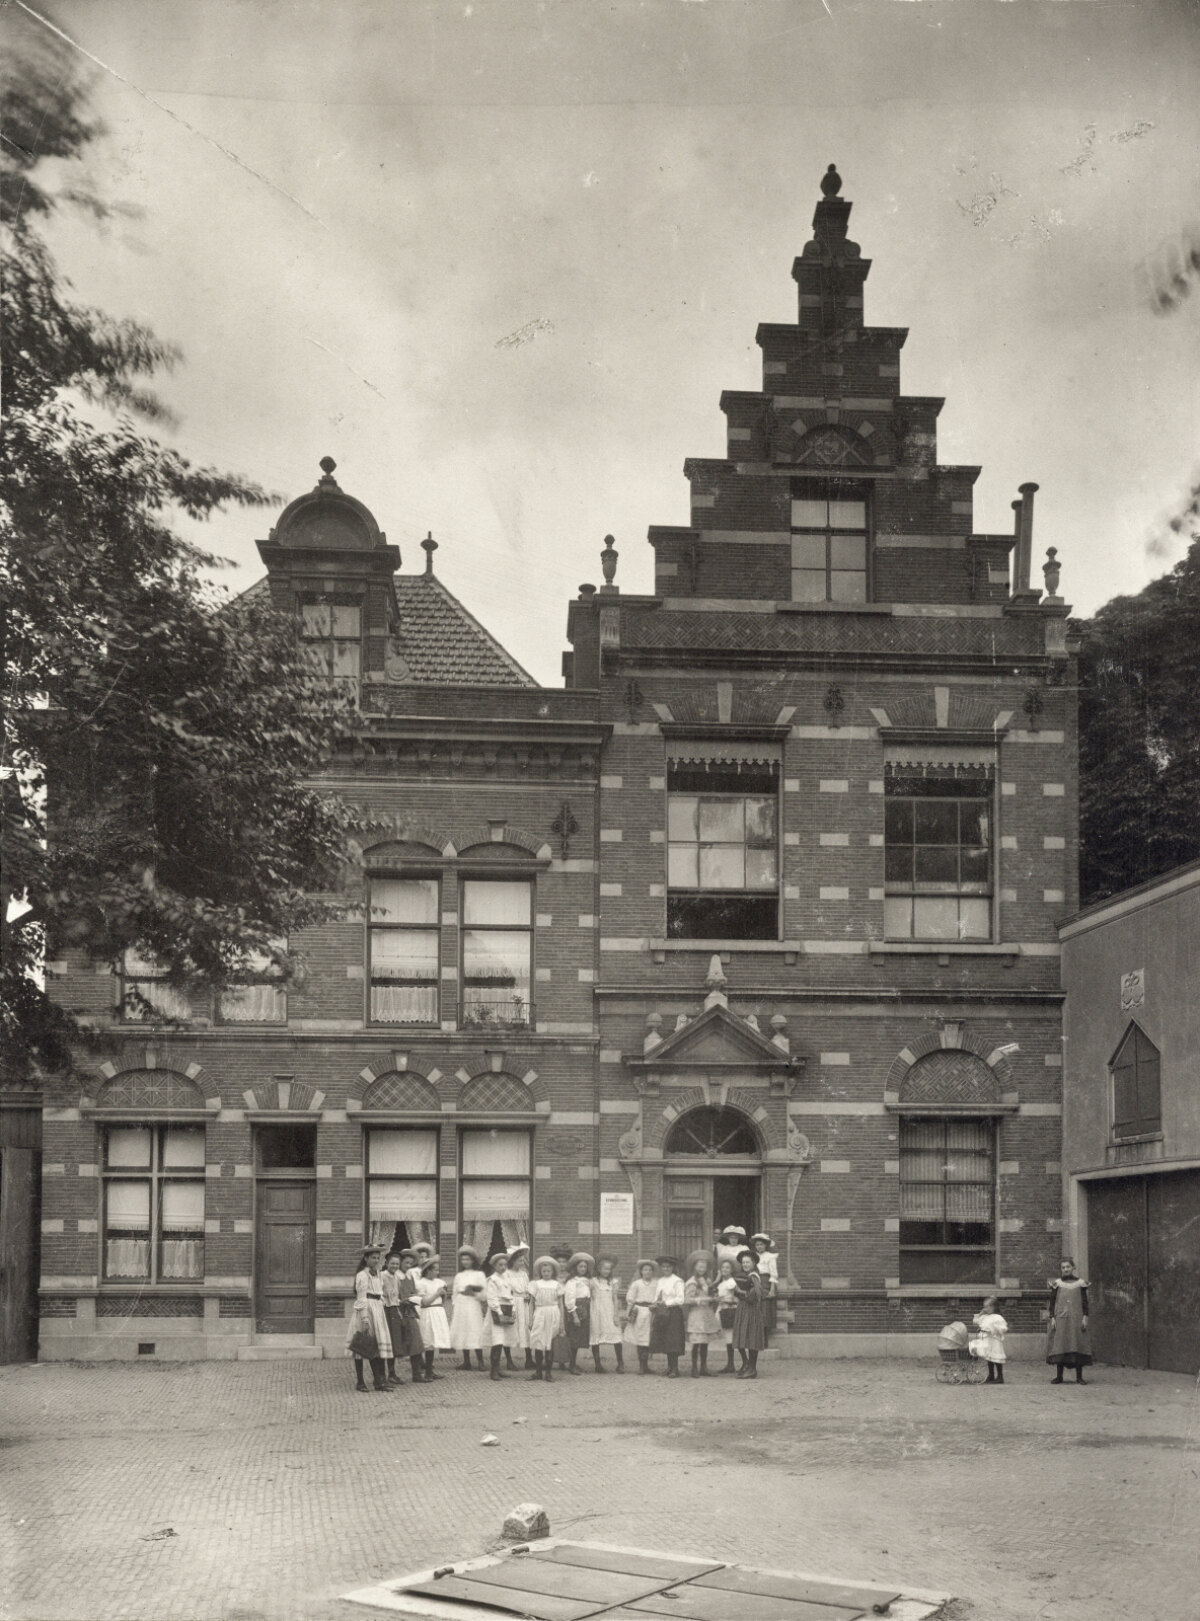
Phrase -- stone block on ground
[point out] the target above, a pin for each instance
(525, 1522)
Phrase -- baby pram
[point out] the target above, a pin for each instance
(956, 1364)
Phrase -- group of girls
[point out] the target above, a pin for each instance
(555, 1308)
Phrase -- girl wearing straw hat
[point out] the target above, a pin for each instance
(666, 1325)
(369, 1319)
(435, 1325)
(577, 1303)
(468, 1307)
(545, 1308)
(726, 1310)
(502, 1312)
(749, 1324)
(639, 1299)
(700, 1306)
(518, 1276)
(605, 1328)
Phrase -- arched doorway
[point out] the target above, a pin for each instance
(713, 1177)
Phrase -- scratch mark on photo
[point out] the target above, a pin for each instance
(366, 381)
(146, 96)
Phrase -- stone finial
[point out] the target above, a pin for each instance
(716, 982)
(831, 181)
(653, 1027)
(608, 560)
(1052, 569)
(429, 546)
(779, 1037)
(327, 468)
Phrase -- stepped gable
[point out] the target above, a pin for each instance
(830, 420)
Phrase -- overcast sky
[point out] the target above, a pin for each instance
(499, 258)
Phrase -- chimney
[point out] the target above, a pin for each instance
(1024, 541)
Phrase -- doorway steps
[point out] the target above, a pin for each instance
(281, 1348)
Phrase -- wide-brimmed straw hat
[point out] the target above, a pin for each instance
(667, 1260)
(582, 1255)
(430, 1260)
(644, 1260)
(766, 1238)
(545, 1260)
(400, 1254)
(499, 1255)
(369, 1250)
(467, 1249)
(517, 1249)
(699, 1255)
(735, 1230)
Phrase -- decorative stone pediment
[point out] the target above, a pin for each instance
(716, 1041)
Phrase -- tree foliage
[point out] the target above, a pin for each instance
(157, 738)
(1140, 733)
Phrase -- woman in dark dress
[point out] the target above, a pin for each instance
(1067, 1338)
(750, 1323)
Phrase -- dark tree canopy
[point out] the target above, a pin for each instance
(157, 738)
(1139, 723)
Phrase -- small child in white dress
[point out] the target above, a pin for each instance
(988, 1340)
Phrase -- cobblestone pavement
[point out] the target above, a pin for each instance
(248, 1491)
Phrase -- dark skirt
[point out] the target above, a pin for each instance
(395, 1322)
(666, 1330)
(750, 1325)
(1070, 1359)
(579, 1326)
(414, 1340)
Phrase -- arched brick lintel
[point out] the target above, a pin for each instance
(990, 1054)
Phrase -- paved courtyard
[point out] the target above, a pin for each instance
(243, 1491)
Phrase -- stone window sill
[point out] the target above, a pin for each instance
(941, 948)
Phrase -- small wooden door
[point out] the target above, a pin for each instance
(20, 1202)
(285, 1256)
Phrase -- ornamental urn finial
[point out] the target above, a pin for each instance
(327, 467)
(831, 182)
(1052, 569)
(608, 560)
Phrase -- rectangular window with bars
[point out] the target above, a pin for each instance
(153, 1192)
(332, 636)
(722, 850)
(947, 1200)
(830, 543)
(497, 952)
(403, 950)
(402, 1186)
(496, 1186)
(938, 855)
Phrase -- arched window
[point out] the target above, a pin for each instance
(713, 1177)
(1136, 1089)
(712, 1132)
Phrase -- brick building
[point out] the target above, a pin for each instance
(1131, 1118)
(753, 921)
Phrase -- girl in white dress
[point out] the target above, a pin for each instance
(768, 1267)
(700, 1310)
(989, 1340)
(518, 1277)
(726, 1310)
(502, 1311)
(639, 1297)
(468, 1308)
(369, 1314)
(605, 1329)
(545, 1315)
(435, 1325)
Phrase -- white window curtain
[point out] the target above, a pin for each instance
(495, 1153)
(254, 1004)
(403, 1201)
(127, 1235)
(182, 1220)
(384, 1233)
(402, 1153)
(129, 1145)
(183, 1146)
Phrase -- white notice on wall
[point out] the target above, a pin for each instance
(616, 1213)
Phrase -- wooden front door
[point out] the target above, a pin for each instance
(699, 1205)
(285, 1256)
(20, 1202)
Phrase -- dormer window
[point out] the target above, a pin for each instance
(332, 635)
(829, 542)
